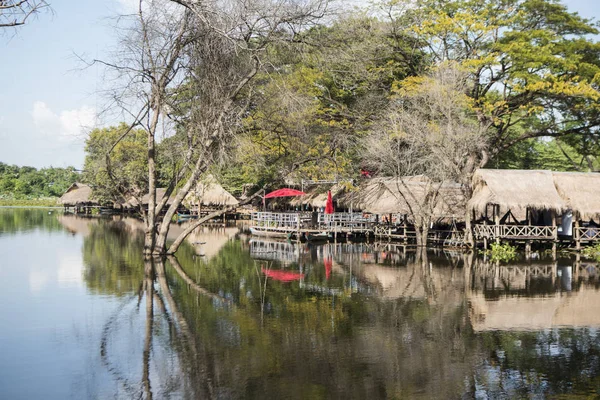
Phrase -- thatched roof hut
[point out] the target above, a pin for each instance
(77, 194)
(160, 193)
(407, 195)
(316, 195)
(581, 191)
(209, 192)
(515, 190)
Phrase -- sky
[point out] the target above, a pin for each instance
(49, 100)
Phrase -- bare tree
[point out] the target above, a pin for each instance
(429, 130)
(187, 64)
(16, 12)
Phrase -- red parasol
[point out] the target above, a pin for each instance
(329, 205)
(283, 276)
(285, 192)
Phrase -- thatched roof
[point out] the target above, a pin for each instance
(160, 193)
(209, 192)
(407, 195)
(77, 193)
(516, 190)
(316, 195)
(581, 191)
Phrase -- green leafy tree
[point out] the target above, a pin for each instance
(534, 69)
(116, 167)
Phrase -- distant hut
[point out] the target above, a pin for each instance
(209, 195)
(79, 197)
(316, 196)
(405, 197)
(160, 194)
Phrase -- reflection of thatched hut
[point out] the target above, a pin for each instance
(517, 191)
(579, 309)
(75, 224)
(409, 196)
(581, 192)
(209, 193)
(78, 195)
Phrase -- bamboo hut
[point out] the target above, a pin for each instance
(514, 190)
(160, 194)
(316, 196)
(209, 194)
(79, 197)
(409, 196)
(581, 192)
(515, 205)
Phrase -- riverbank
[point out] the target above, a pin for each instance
(48, 202)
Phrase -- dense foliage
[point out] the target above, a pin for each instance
(21, 183)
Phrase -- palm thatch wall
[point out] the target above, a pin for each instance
(77, 194)
(581, 191)
(515, 190)
(209, 192)
(411, 196)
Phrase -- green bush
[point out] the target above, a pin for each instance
(592, 252)
(502, 252)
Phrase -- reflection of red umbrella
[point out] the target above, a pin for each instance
(328, 264)
(285, 192)
(329, 205)
(283, 276)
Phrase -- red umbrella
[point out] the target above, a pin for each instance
(329, 205)
(283, 276)
(285, 192)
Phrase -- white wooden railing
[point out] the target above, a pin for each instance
(587, 234)
(515, 232)
(277, 220)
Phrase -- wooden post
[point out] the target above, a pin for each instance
(404, 229)
(497, 223)
(528, 249)
(485, 239)
(554, 234)
(576, 233)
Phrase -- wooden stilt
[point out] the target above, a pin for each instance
(576, 234)
(497, 223)
(554, 234)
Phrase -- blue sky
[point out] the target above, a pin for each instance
(48, 101)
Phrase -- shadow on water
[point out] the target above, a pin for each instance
(246, 318)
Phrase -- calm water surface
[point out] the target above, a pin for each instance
(82, 315)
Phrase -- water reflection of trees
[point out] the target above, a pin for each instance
(200, 333)
(14, 220)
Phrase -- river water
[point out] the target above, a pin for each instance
(83, 316)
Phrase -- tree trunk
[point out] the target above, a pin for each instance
(150, 239)
(422, 231)
(161, 241)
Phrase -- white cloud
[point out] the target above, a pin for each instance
(68, 125)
